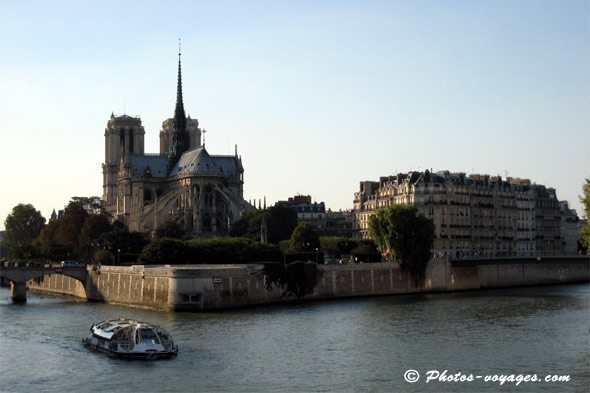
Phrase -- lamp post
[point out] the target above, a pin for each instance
(316, 255)
(118, 257)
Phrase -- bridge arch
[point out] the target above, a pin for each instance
(19, 276)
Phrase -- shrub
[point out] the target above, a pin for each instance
(164, 251)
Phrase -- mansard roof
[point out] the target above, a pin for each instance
(198, 161)
(155, 163)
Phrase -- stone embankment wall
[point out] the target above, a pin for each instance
(204, 287)
(60, 284)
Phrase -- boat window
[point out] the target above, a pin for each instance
(147, 336)
(164, 335)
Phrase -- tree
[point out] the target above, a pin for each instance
(407, 235)
(94, 226)
(164, 251)
(585, 232)
(92, 205)
(48, 233)
(71, 223)
(304, 238)
(104, 257)
(75, 214)
(23, 225)
(169, 229)
(280, 221)
(122, 239)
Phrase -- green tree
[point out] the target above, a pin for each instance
(169, 229)
(48, 233)
(92, 205)
(122, 239)
(55, 251)
(304, 238)
(23, 225)
(164, 251)
(70, 226)
(407, 235)
(585, 232)
(330, 245)
(104, 257)
(94, 226)
(280, 221)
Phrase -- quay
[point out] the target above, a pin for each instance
(210, 287)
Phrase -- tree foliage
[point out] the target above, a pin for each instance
(78, 210)
(169, 229)
(208, 251)
(23, 225)
(585, 232)
(94, 227)
(104, 257)
(83, 231)
(280, 222)
(304, 238)
(296, 279)
(408, 236)
(164, 251)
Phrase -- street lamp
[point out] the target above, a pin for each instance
(118, 257)
(316, 255)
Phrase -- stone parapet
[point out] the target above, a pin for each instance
(209, 287)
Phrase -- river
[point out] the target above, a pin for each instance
(353, 345)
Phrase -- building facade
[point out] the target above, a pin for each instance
(313, 213)
(183, 183)
(475, 215)
(570, 228)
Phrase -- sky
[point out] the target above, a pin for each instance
(317, 95)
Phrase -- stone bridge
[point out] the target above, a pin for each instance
(19, 275)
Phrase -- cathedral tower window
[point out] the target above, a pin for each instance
(131, 141)
(122, 141)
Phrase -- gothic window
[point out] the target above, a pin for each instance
(131, 141)
(122, 141)
(208, 195)
(147, 197)
(207, 222)
(196, 194)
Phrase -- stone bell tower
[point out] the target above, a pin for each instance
(124, 136)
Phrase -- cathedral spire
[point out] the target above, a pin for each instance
(179, 116)
(180, 137)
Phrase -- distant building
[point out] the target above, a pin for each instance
(569, 229)
(313, 213)
(203, 193)
(475, 215)
(338, 224)
(56, 216)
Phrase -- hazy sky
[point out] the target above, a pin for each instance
(318, 95)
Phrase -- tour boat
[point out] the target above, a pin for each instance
(131, 339)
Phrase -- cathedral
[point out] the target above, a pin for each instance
(202, 193)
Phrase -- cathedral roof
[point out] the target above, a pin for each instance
(198, 161)
(154, 165)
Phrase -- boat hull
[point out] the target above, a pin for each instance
(153, 355)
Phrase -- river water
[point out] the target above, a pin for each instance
(354, 345)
